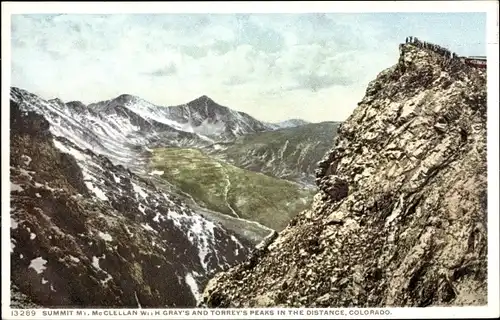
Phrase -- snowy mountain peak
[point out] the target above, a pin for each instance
(205, 104)
(126, 98)
(203, 98)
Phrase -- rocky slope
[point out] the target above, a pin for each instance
(400, 219)
(289, 153)
(88, 233)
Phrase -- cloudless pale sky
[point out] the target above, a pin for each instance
(272, 66)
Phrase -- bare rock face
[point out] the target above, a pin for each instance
(400, 219)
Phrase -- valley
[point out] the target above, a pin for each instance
(225, 188)
(127, 164)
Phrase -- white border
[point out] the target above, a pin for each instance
(251, 7)
(491, 7)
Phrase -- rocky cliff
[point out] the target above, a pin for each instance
(400, 219)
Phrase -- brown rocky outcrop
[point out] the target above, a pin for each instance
(401, 216)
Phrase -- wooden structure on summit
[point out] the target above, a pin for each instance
(476, 61)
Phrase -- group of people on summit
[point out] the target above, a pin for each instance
(434, 47)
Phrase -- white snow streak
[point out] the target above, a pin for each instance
(191, 282)
(156, 172)
(137, 300)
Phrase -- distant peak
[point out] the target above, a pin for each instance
(57, 100)
(204, 99)
(291, 123)
(75, 104)
(296, 120)
(125, 97)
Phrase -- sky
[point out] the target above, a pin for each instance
(312, 66)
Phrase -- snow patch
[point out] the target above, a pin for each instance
(116, 178)
(26, 173)
(109, 277)
(105, 236)
(95, 263)
(157, 217)
(13, 224)
(142, 208)
(38, 264)
(137, 300)
(218, 147)
(207, 128)
(148, 227)
(151, 112)
(15, 187)
(238, 243)
(138, 190)
(191, 282)
(32, 236)
(98, 192)
(156, 172)
(75, 153)
(200, 232)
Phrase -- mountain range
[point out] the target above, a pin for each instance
(122, 186)
(123, 203)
